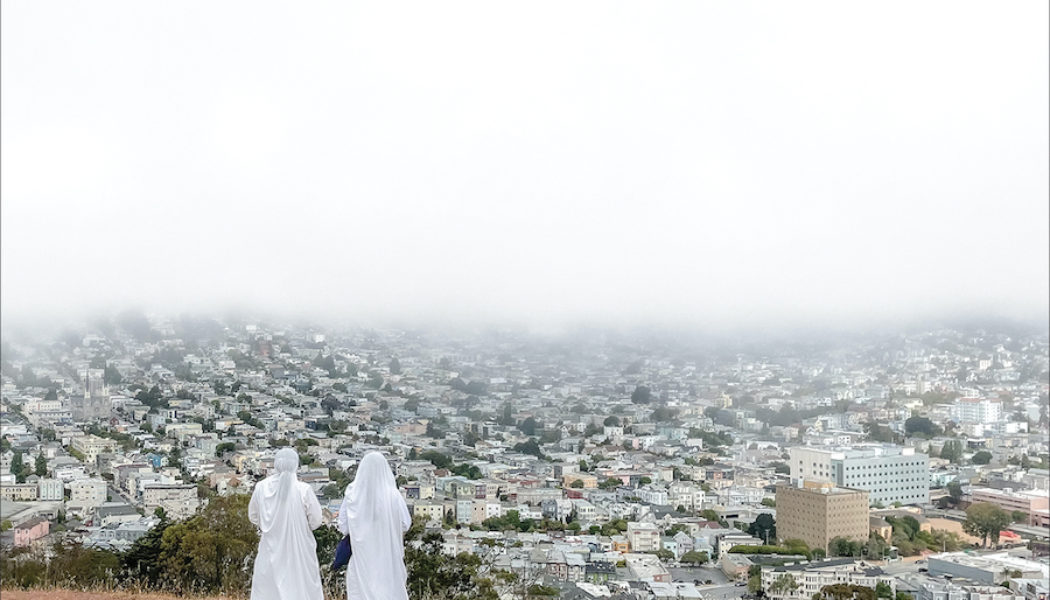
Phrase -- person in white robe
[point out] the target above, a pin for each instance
(376, 518)
(286, 511)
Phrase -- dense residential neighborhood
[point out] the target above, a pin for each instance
(585, 465)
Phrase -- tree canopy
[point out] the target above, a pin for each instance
(985, 520)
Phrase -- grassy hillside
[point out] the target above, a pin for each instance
(75, 595)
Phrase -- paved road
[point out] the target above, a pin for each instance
(700, 574)
(116, 493)
(723, 592)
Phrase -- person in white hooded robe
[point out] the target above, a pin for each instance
(286, 511)
(376, 518)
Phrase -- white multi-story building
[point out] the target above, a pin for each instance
(179, 501)
(92, 445)
(643, 537)
(888, 473)
(801, 582)
(652, 495)
(88, 493)
(685, 494)
(51, 490)
(977, 410)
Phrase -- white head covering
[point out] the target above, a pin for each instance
(377, 517)
(286, 566)
(279, 501)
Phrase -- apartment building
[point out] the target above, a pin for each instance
(643, 537)
(88, 493)
(587, 481)
(179, 501)
(19, 492)
(809, 579)
(430, 511)
(50, 490)
(91, 446)
(888, 473)
(816, 513)
(977, 410)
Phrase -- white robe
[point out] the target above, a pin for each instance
(286, 566)
(375, 516)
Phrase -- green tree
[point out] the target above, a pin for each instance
(612, 421)
(528, 426)
(18, 467)
(395, 366)
(142, 562)
(955, 491)
(641, 395)
(883, 590)
(784, 584)
(844, 591)
(923, 426)
(1019, 516)
(841, 546)
(212, 551)
(326, 537)
(112, 376)
(662, 414)
(985, 520)
(952, 451)
(982, 457)
(41, 465)
(432, 574)
(764, 528)
(695, 558)
(507, 416)
(76, 566)
(529, 447)
(225, 447)
(754, 579)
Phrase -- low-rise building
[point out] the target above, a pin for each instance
(19, 492)
(989, 569)
(431, 511)
(1025, 501)
(30, 531)
(646, 567)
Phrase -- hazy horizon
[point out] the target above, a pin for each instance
(723, 166)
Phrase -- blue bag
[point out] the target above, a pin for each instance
(343, 551)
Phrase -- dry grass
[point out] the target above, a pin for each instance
(75, 595)
(67, 594)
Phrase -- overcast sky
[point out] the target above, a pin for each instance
(729, 161)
